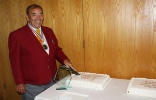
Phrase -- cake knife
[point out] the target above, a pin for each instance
(72, 70)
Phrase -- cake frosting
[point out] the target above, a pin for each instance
(90, 80)
(142, 87)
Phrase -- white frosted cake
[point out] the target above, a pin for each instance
(90, 80)
(142, 87)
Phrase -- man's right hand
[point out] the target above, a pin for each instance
(21, 88)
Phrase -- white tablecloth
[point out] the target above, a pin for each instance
(116, 90)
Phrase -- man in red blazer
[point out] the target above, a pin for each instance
(33, 55)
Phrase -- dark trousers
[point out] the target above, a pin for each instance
(34, 90)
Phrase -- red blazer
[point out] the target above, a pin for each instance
(29, 61)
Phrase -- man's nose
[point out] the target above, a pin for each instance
(39, 16)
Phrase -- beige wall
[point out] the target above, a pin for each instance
(119, 36)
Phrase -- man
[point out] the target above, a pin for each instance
(32, 55)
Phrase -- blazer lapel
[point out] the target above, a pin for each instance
(33, 39)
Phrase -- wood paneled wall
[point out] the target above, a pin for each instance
(65, 17)
(116, 37)
(120, 37)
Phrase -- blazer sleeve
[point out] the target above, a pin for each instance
(14, 55)
(59, 54)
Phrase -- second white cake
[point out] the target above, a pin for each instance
(142, 87)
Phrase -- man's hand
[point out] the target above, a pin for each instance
(67, 63)
(21, 88)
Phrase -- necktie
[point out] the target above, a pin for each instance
(38, 37)
(38, 31)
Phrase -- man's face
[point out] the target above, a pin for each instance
(35, 18)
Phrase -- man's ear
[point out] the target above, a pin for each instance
(27, 17)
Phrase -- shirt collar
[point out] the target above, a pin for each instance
(33, 27)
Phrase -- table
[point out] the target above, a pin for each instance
(116, 90)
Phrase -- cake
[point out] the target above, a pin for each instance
(90, 80)
(142, 87)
